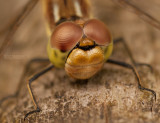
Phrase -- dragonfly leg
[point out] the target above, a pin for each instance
(32, 79)
(123, 64)
(130, 54)
(26, 70)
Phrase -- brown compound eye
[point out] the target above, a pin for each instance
(66, 36)
(97, 31)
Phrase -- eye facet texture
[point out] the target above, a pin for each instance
(97, 31)
(66, 36)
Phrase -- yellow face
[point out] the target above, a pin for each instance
(88, 51)
(84, 63)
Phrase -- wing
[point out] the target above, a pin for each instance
(148, 10)
(15, 25)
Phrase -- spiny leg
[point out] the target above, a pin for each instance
(130, 54)
(25, 72)
(7, 41)
(123, 64)
(36, 76)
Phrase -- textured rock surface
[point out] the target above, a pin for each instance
(109, 97)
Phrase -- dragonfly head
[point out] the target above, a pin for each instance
(82, 41)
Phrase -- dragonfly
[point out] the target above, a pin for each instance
(77, 42)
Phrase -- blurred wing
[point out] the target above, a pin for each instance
(15, 25)
(148, 10)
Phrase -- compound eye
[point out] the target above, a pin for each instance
(97, 31)
(66, 36)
